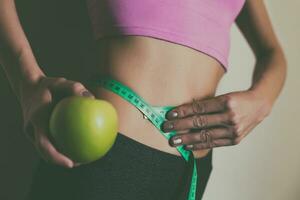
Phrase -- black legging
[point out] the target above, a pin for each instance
(129, 171)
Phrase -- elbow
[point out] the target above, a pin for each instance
(275, 53)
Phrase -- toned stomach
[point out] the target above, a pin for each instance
(162, 73)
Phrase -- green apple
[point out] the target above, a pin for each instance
(83, 128)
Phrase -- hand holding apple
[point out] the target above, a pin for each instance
(37, 102)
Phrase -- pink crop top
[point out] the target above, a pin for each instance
(203, 25)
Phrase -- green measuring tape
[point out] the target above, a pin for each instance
(155, 114)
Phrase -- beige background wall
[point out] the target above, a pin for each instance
(265, 166)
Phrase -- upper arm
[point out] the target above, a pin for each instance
(255, 24)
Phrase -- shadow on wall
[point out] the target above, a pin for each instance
(60, 36)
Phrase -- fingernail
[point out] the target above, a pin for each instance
(86, 93)
(174, 114)
(169, 126)
(177, 141)
(189, 146)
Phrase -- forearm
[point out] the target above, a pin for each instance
(16, 56)
(269, 75)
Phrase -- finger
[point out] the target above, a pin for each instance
(204, 135)
(63, 88)
(198, 106)
(41, 115)
(196, 121)
(213, 144)
(49, 152)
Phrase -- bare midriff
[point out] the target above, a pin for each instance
(162, 73)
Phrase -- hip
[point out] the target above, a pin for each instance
(130, 170)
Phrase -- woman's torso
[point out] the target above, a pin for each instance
(162, 73)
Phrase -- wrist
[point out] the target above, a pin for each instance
(31, 73)
(260, 96)
(28, 85)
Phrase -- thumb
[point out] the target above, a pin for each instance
(69, 88)
(87, 93)
(77, 88)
